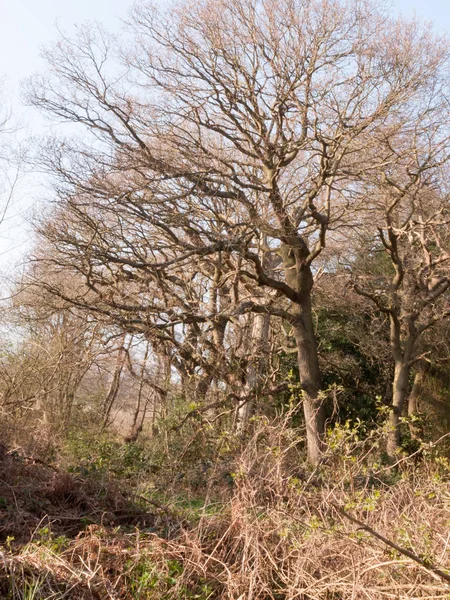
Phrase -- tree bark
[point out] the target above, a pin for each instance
(399, 395)
(255, 369)
(299, 277)
(421, 370)
(115, 383)
(311, 381)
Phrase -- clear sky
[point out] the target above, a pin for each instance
(437, 11)
(28, 25)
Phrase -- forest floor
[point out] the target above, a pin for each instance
(272, 529)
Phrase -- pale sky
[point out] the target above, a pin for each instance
(28, 25)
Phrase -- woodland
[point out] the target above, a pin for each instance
(225, 365)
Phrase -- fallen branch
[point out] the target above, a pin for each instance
(424, 563)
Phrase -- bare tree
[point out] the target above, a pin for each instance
(115, 380)
(410, 206)
(54, 348)
(231, 122)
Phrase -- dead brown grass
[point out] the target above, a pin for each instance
(283, 534)
(286, 533)
(34, 495)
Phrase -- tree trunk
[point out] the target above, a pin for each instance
(115, 383)
(299, 277)
(422, 368)
(310, 379)
(256, 367)
(139, 415)
(399, 395)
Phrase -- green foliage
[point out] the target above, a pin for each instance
(373, 259)
(44, 537)
(102, 455)
(349, 364)
(148, 580)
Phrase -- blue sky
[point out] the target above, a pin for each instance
(28, 25)
(437, 11)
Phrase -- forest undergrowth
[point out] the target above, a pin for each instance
(105, 520)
